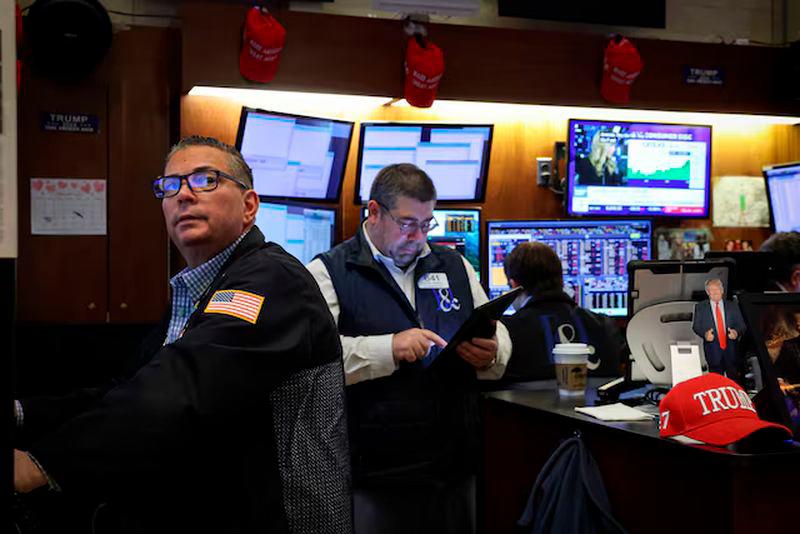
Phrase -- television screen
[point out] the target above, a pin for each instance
(783, 191)
(594, 256)
(303, 230)
(294, 156)
(647, 169)
(456, 157)
(459, 229)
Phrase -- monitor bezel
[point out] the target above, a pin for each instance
(336, 238)
(593, 220)
(240, 134)
(568, 189)
(764, 172)
(484, 166)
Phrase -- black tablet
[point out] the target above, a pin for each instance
(480, 322)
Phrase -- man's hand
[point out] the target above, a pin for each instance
(732, 334)
(413, 344)
(710, 335)
(479, 353)
(27, 477)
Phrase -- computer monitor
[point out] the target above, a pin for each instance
(459, 229)
(783, 192)
(456, 157)
(639, 169)
(752, 272)
(773, 321)
(594, 256)
(293, 156)
(303, 230)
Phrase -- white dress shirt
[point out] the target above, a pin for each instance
(370, 357)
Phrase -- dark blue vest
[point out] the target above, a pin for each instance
(413, 422)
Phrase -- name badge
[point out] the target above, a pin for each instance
(433, 281)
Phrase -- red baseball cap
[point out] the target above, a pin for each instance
(424, 70)
(712, 409)
(621, 66)
(262, 42)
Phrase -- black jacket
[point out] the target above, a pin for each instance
(533, 331)
(234, 427)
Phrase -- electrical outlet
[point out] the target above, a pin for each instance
(544, 167)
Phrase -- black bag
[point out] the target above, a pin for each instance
(568, 496)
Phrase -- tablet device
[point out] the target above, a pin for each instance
(478, 324)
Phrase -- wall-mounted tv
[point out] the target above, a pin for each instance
(594, 256)
(783, 192)
(456, 157)
(459, 229)
(637, 168)
(293, 156)
(303, 230)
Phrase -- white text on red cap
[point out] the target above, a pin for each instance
(724, 398)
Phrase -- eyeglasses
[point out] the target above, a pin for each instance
(410, 226)
(198, 181)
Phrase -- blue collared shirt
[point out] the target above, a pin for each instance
(188, 287)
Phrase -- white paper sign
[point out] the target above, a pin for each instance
(62, 206)
(685, 362)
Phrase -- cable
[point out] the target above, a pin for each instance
(654, 396)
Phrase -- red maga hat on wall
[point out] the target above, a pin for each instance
(262, 42)
(424, 69)
(621, 65)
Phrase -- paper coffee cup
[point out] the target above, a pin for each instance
(570, 361)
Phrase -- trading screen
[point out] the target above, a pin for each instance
(783, 184)
(455, 157)
(594, 257)
(293, 156)
(621, 168)
(302, 231)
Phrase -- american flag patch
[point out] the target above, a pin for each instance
(236, 303)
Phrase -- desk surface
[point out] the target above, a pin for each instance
(712, 488)
(541, 396)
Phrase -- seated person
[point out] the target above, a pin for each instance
(786, 247)
(542, 309)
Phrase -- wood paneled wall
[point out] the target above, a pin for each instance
(520, 135)
(364, 56)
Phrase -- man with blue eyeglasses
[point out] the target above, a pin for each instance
(397, 300)
(233, 421)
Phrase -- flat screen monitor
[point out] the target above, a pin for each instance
(303, 230)
(773, 321)
(293, 156)
(594, 256)
(459, 229)
(783, 192)
(456, 157)
(640, 169)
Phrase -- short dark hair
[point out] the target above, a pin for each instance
(785, 246)
(535, 266)
(239, 167)
(401, 180)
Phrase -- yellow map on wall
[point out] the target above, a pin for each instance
(740, 201)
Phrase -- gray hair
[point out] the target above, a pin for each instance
(238, 166)
(401, 180)
(715, 281)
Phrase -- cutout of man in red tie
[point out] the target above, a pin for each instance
(719, 322)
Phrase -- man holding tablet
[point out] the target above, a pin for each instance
(397, 300)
